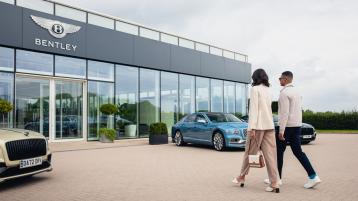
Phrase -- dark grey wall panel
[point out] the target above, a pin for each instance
(108, 45)
(33, 31)
(237, 70)
(10, 25)
(98, 43)
(212, 66)
(151, 53)
(185, 60)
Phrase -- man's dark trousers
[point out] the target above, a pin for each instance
(292, 136)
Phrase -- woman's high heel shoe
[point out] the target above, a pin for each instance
(240, 182)
(273, 189)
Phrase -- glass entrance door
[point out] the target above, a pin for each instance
(69, 109)
(49, 106)
(32, 104)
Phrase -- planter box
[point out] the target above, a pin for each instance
(158, 139)
(130, 130)
(104, 139)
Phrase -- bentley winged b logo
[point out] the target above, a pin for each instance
(56, 28)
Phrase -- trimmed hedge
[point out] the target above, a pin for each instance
(332, 120)
(158, 129)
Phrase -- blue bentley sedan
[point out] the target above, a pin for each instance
(220, 130)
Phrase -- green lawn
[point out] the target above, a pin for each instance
(338, 131)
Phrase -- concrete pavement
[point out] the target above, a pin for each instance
(190, 173)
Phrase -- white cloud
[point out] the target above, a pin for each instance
(317, 40)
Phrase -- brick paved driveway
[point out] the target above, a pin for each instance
(168, 172)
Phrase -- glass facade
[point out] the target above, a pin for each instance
(229, 97)
(6, 93)
(241, 99)
(32, 105)
(70, 67)
(202, 94)
(34, 62)
(68, 103)
(216, 95)
(6, 59)
(100, 71)
(99, 93)
(143, 96)
(169, 99)
(127, 100)
(149, 100)
(186, 95)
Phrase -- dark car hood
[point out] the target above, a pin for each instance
(304, 125)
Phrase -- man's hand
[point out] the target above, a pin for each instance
(281, 136)
(252, 133)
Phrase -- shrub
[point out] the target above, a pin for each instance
(5, 107)
(108, 132)
(158, 129)
(332, 120)
(108, 109)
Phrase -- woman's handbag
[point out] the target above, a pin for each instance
(257, 160)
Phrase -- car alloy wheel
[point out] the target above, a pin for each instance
(178, 138)
(218, 141)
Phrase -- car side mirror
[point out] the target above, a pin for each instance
(201, 121)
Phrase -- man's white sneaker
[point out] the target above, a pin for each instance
(312, 182)
(267, 181)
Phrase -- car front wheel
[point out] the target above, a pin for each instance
(178, 138)
(219, 142)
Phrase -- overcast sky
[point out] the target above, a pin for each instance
(316, 39)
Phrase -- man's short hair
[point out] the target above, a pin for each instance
(288, 74)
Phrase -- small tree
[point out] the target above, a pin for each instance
(5, 107)
(108, 109)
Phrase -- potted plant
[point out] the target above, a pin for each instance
(158, 133)
(5, 108)
(108, 134)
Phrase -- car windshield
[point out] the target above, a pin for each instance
(221, 117)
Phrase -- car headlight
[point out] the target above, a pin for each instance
(48, 148)
(232, 131)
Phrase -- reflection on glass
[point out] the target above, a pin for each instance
(127, 99)
(216, 95)
(34, 62)
(241, 99)
(99, 93)
(68, 109)
(100, 71)
(32, 104)
(169, 99)
(202, 94)
(186, 95)
(6, 59)
(229, 97)
(70, 67)
(149, 100)
(6, 93)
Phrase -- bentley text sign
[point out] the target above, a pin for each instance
(56, 29)
(55, 44)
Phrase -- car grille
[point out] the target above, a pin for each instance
(23, 149)
(307, 131)
(244, 133)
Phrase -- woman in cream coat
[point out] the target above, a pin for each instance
(261, 133)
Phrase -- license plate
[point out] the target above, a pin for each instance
(307, 136)
(30, 162)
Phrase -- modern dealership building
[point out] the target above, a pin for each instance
(59, 64)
